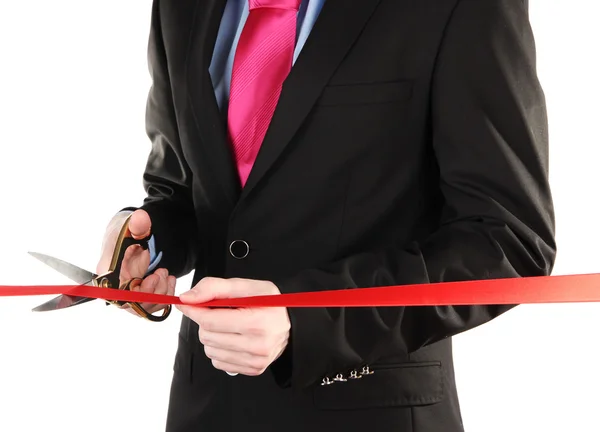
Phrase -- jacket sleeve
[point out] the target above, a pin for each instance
(489, 130)
(167, 177)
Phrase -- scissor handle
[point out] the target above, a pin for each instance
(124, 241)
(139, 309)
(112, 277)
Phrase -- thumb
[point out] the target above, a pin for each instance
(207, 289)
(211, 288)
(140, 224)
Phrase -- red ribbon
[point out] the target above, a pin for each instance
(581, 288)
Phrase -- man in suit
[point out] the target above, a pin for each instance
(304, 146)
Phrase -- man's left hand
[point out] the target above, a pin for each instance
(244, 341)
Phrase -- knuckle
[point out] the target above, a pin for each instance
(256, 325)
(258, 370)
(202, 337)
(207, 282)
(261, 348)
(237, 282)
(205, 325)
(209, 351)
(164, 272)
(204, 285)
(258, 364)
(211, 285)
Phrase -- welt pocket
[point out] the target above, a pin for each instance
(407, 384)
(184, 358)
(408, 365)
(362, 94)
(190, 363)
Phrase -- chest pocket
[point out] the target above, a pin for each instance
(364, 94)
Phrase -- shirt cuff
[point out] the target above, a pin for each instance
(154, 257)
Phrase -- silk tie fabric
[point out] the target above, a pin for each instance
(262, 62)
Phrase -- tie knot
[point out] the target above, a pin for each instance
(275, 4)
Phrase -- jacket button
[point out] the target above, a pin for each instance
(239, 249)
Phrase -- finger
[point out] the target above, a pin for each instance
(162, 287)
(235, 362)
(140, 224)
(234, 342)
(210, 288)
(135, 263)
(232, 369)
(149, 283)
(171, 283)
(216, 320)
(207, 289)
(236, 358)
(192, 312)
(165, 286)
(156, 283)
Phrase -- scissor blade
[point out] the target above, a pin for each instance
(76, 274)
(61, 302)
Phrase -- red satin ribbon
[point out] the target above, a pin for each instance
(581, 288)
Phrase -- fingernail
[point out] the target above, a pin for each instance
(142, 235)
(188, 296)
(133, 249)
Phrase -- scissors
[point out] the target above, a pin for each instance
(110, 279)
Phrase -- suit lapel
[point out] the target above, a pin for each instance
(210, 122)
(338, 25)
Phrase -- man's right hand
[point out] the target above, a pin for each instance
(136, 260)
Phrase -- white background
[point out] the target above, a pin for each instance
(73, 83)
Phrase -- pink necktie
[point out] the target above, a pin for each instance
(263, 60)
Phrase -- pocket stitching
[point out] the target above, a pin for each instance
(391, 401)
(330, 95)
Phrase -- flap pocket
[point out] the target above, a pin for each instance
(363, 94)
(398, 385)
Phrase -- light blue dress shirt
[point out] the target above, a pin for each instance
(232, 24)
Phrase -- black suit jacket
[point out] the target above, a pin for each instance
(409, 146)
